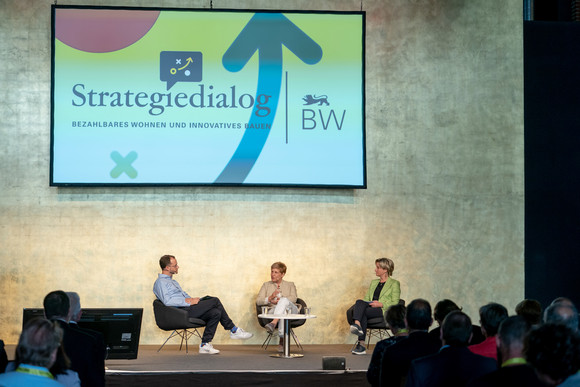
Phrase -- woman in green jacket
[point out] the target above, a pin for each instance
(383, 292)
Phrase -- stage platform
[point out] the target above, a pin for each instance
(239, 365)
(235, 365)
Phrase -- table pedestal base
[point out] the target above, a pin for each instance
(285, 319)
(289, 356)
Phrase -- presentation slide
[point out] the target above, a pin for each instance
(144, 96)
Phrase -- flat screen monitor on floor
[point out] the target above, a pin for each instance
(121, 328)
(30, 313)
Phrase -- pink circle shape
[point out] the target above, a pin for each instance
(102, 30)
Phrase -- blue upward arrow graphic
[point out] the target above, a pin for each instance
(265, 33)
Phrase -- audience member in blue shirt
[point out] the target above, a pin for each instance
(36, 351)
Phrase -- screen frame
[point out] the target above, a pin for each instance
(99, 313)
(137, 313)
(363, 185)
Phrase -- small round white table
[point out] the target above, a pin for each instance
(286, 318)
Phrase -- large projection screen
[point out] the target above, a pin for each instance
(150, 96)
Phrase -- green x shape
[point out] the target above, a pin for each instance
(124, 164)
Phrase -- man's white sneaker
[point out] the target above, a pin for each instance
(208, 348)
(240, 334)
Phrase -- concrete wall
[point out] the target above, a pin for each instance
(444, 93)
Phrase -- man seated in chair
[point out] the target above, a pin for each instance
(278, 295)
(208, 309)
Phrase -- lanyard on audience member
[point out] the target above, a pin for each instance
(515, 360)
(34, 371)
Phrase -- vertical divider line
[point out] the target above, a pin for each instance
(286, 76)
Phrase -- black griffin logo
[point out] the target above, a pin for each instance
(309, 99)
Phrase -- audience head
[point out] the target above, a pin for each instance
(395, 317)
(510, 337)
(562, 313)
(418, 315)
(57, 305)
(553, 350)
(279, 266)
(75, 306)
(443, 308)
(38, 343)
(531, 310)
(387, 264)
(456, 329)
(562, 300)
(165, 261)
(491, 315)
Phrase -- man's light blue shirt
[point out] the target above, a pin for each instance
(169, 292)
